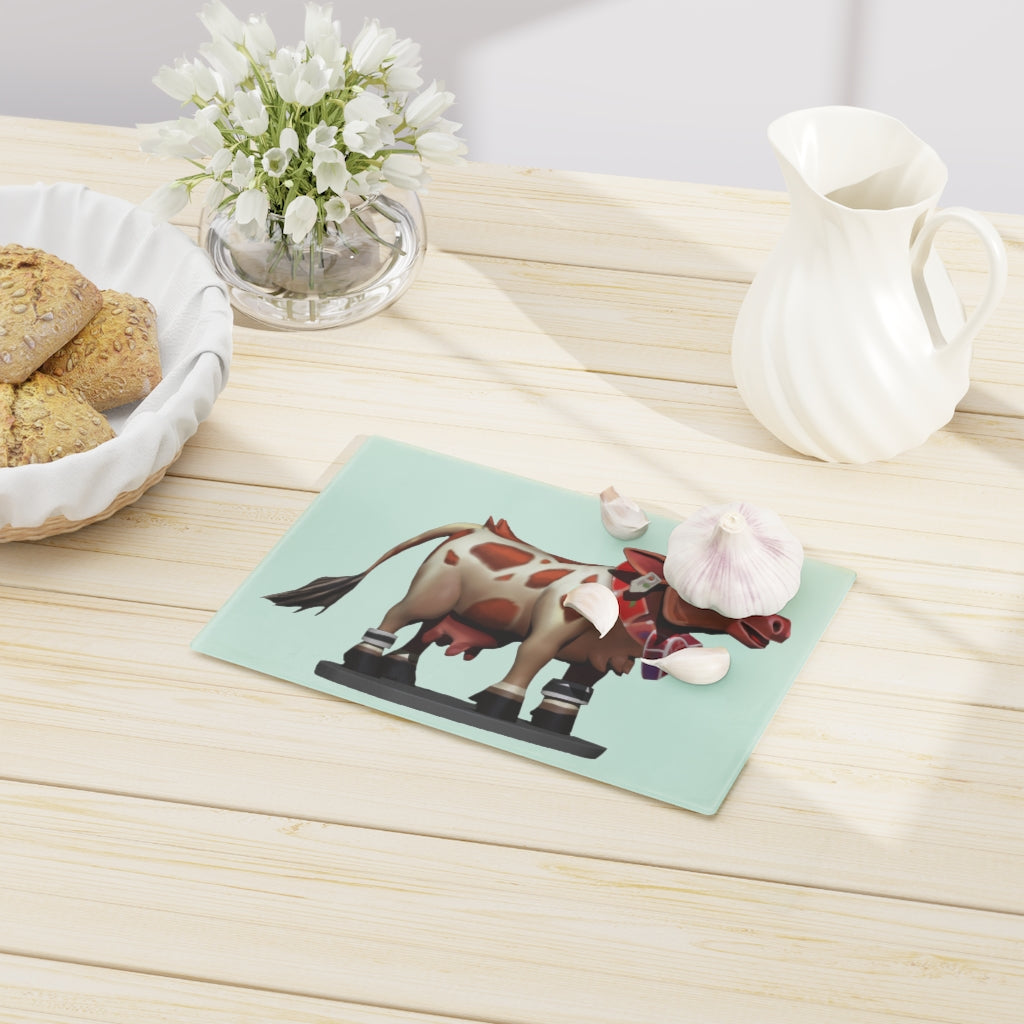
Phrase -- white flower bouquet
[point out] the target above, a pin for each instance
(305, 132)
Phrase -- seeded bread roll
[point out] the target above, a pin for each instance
(115, 358)
(6, 422)
(44, 302)
(42, 420)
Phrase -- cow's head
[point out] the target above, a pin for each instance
(671, 613)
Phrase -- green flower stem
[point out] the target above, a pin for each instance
(373, 234)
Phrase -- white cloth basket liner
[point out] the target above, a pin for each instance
(117, 245)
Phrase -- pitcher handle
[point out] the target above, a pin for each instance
(995, 250)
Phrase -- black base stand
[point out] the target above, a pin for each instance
(454, 709)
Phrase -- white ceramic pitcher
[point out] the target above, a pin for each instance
(851, 344)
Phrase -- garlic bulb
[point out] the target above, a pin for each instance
(622, 517)
(696, 665)
(595, 602)
(736, 559)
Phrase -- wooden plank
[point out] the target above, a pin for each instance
(537, 215)
(867, 769)
(672, 465)
(576, 218)
(694, 434)
(541, 291)
(384, 364)
(180, 545)
(51, 992)
(599, 321)
(103, 157)
(470, 930)
(595, 220)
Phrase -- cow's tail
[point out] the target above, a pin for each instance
(325, 590)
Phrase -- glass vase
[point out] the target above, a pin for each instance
(354, 270)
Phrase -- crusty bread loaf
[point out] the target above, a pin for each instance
(115, 358)
(42, 420)
(6, 422)
(44, 302)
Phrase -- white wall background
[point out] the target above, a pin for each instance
(677, 89)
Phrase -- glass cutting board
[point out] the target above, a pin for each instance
(679, 743)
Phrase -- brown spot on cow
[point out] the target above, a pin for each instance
(592, 578)
(500, 556)
(451, 558)
(448, 540)
(493, 613)
(504, 578)
(546, 577)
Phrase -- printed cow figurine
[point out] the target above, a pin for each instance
(483, 587)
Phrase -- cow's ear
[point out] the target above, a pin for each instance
(646, 561)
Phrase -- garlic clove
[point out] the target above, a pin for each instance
(736, 559)
(696, 665)
(596, 603)
(622, 517)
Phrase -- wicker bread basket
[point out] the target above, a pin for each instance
(60, 524)
(117, 245)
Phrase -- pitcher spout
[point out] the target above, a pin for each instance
(857, 159)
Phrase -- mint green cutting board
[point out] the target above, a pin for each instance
(665, 739)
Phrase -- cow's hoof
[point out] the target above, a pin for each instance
(496, 705)
(360, 660)
(398, 670)
(553, 721)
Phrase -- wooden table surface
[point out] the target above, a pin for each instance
(185, 840)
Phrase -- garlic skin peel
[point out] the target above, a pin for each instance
(736, 559)
(695, 665)
(595, 602)
(623, 518)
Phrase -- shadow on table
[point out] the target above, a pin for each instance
(1002, 438)
(919, 776)
(682, 309)
(555, 277)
